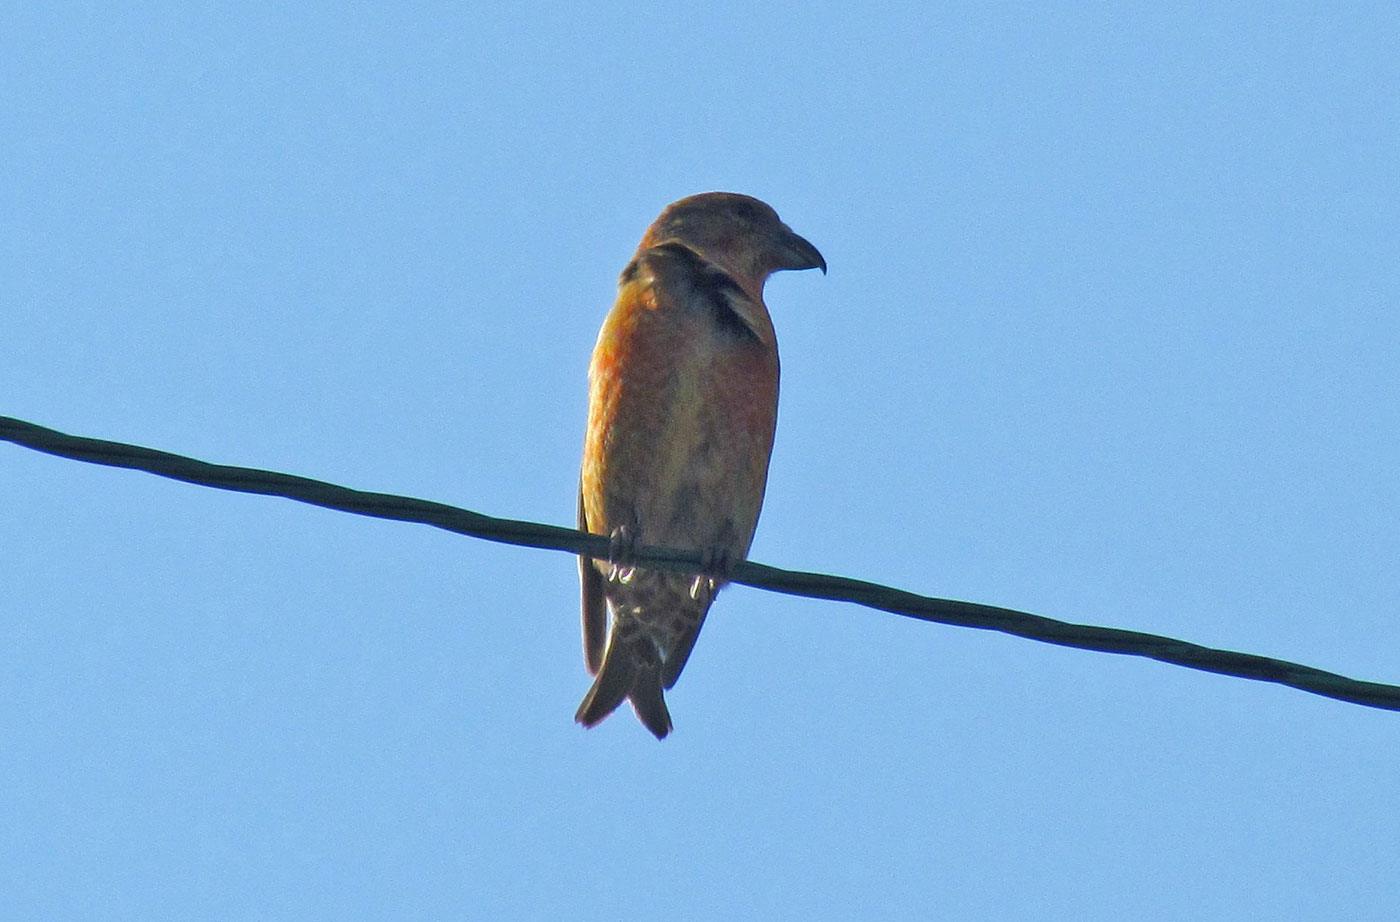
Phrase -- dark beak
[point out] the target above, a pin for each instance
(798, 253)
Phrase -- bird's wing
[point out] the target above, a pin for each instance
(595, 606)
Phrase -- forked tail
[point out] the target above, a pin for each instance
(631, 670)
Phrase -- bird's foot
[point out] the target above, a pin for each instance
(622, 550)
(716, 566)
(717, 562)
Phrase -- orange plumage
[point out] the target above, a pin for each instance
(682, 404)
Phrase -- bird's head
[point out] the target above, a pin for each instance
(741, 234)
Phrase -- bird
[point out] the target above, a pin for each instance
(682, 408)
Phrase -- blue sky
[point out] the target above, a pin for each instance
(1110, 335)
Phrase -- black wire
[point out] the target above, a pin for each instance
(792, 582)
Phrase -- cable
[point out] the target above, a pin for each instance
(792, 582)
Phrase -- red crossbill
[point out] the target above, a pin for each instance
(682, 404)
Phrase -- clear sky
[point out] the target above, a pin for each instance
(1110, 334)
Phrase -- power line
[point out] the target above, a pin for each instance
(792, 582)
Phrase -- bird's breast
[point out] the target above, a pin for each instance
(681, 418)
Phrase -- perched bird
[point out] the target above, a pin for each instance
(682, 404)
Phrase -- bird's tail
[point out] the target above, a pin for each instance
(631, 670)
